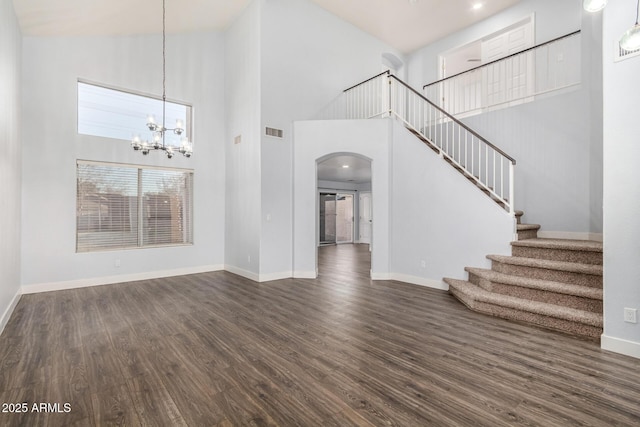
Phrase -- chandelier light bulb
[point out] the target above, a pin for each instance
(594, 5)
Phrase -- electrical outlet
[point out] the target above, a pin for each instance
(423, 264)
(117, 263)
(631, 315)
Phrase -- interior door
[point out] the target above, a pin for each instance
(366, 220)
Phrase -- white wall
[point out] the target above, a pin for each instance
(308, 57)
(316, 139)
(243, 179)
(621, 188)
(10, 165)
(439, 217)
(51, 146)
(556, 140)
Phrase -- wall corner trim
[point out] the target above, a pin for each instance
(618, 345)
(9, 311)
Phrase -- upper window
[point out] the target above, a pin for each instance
(122, 206)
(112, 113)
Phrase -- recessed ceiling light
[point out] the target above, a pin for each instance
(477, 6)
(345, 166)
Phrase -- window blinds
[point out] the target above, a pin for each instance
(122, 206)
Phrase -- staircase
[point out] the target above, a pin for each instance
(553, 283)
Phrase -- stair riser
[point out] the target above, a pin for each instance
(583, 257)
(566, 326)
(527, 234)
(594, 281)
(564, 300)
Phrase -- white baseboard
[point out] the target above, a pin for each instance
(242, 272)
(109, 280)
(618, 345)
(305, 274)
(260, 278)
(275, 276)
(9, 311)
(414, 280)
(573, 235)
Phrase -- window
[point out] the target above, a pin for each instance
(111, 113)
(122, 206)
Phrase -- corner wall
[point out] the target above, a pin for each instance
(51, 67)
(243, 177)
(308, 56)
(621, 188)
(10, 163)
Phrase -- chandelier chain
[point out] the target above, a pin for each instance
(159, 130)
(164, 68)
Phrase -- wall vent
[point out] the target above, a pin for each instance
(621, 54)
(277, 133)
(237, 139)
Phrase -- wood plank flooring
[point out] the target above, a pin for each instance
(216, 349)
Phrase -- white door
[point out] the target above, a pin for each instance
(366, 221)
(512, 78)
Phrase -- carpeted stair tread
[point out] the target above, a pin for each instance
(565, 244)
(524, 227)
(551, 310)
(545, 285)
(572, 267)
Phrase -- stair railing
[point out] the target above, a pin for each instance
(384, 95)
(514, 79)
(490, 168)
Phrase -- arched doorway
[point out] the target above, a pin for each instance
(344, 214)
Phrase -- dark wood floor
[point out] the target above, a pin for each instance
(217, 349)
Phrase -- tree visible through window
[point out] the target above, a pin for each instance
(121, 206)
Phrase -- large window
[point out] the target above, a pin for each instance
(117, 114)
(122, 206)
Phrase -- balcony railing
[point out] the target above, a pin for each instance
(515, 79)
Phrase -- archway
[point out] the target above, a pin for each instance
(344, 214)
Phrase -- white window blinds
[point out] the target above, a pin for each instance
(122, 206)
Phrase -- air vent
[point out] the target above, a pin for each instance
(237, 139)
(621, 54)
(277, 133)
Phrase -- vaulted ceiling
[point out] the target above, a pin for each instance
(403, 24)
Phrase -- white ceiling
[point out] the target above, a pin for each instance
(403, 24)
(358, 172)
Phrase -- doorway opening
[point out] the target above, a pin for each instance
(344, 220)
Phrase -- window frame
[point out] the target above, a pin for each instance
(140, 220)
(188, 122)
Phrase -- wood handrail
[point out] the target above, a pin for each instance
(467, 128)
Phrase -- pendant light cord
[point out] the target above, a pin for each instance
(637, 12)
(164, 72)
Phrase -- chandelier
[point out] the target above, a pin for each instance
(158, 130)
